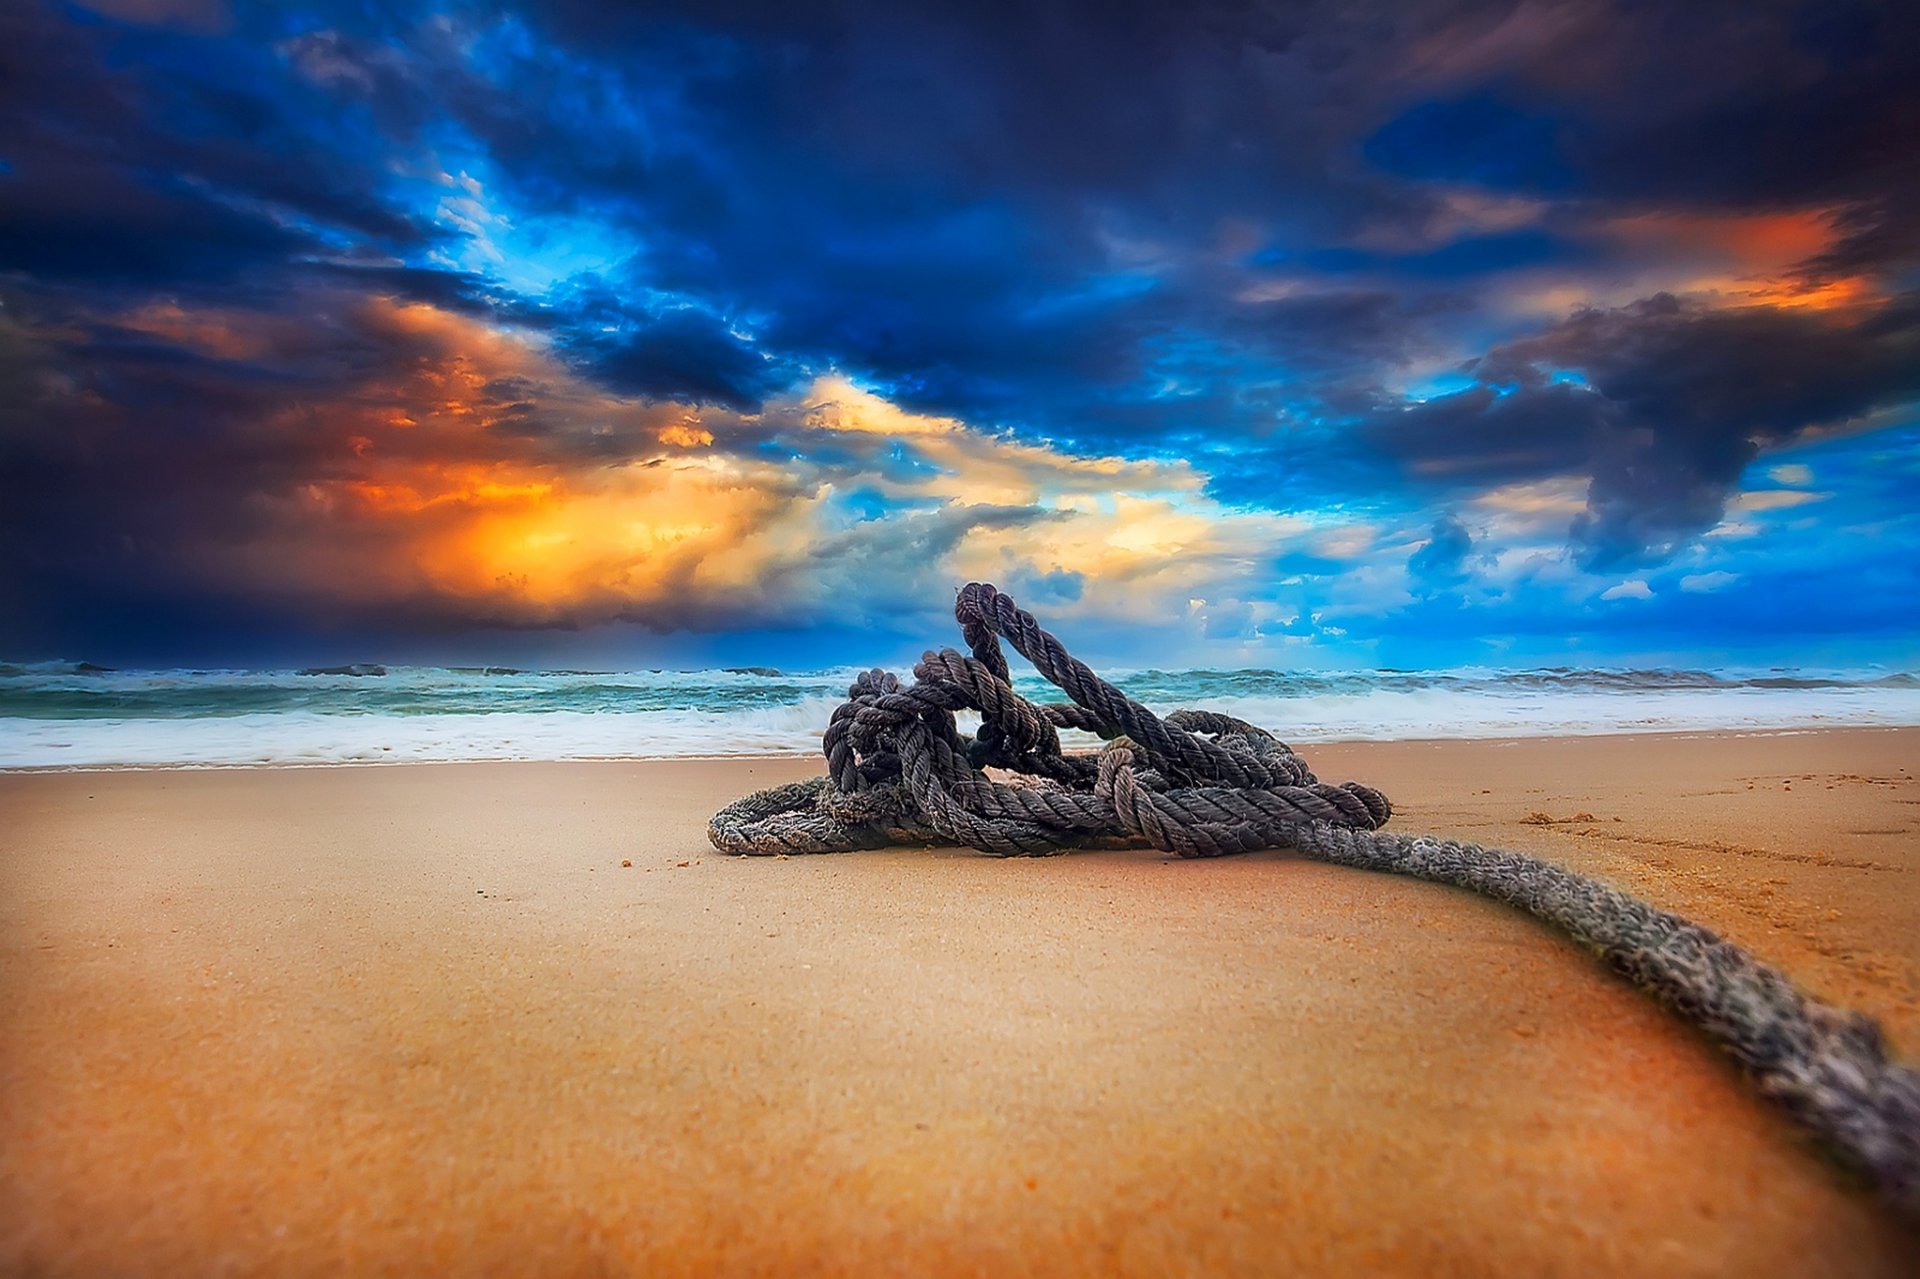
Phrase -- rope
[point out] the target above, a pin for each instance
(1201, 784)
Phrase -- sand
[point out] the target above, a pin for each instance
(424, 1019)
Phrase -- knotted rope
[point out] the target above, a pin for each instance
(1201, 784)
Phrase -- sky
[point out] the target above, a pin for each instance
(1305, 335)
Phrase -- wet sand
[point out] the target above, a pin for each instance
(423, 1019)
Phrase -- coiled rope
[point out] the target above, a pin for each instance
(1201, 784)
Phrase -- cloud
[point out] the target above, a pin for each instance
(1662, 404)
(1635, 589)
(1706, 583)
(1489, 434)
(684, 355)
(203, 15)
(425, 466)
(1698, 392)
(1441, 561)
(1773, 500)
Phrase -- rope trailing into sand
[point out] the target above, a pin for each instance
(1201, 785)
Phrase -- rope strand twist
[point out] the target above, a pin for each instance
(1202, 784)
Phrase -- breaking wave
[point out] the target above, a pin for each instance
(79, 715)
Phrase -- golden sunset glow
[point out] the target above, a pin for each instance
(429, 469)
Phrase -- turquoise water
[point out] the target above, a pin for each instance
(76, 715)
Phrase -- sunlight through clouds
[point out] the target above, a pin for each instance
(601, 509)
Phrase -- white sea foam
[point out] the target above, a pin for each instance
(304, 737)
(1389, 715)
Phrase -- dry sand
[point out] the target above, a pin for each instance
(422, 1020)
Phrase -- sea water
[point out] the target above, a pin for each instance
(67, 715)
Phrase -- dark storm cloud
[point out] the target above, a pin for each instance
(1880, 233)
(1709, 104)
(100, 226)
(114, 476)
(685, 356)
(1023, 231)
(1010, 215)
(1672, 402)
(149, 159)
(450, 290)
(1124, 100)
(1442, 560)
(641, 347)
(1494, 435)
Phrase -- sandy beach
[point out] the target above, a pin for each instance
(427, 1019)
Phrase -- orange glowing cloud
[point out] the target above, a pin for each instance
(1726, 259)
(476, 476)
(1751, 242)
(1752, 259)
(224, 335)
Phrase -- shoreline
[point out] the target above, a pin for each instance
(1302, 746)
(336, 1018)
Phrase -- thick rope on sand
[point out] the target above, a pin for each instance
(1201, 785)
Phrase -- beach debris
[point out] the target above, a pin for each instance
(1202, 784)
(626, 863)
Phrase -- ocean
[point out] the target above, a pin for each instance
(59, 715)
